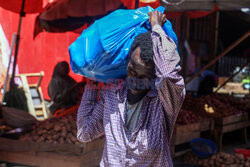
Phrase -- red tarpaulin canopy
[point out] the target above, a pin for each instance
(199, 14)
(69, 15)
(60, 9)
(76, 15)
(31, 6)
(21, 7)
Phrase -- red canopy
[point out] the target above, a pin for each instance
(31, 6)
(199, 14)
(130, 4)
(61, 9)
(152, 3)
(73, 15)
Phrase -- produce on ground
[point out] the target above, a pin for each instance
(186, 117)
(55, 130)
(219, 160)
(211, 106)
(63, 130)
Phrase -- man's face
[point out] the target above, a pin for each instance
(139, 70)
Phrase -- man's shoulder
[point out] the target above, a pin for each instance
(108, 93)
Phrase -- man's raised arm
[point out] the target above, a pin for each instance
(90, 116)
(169, 82)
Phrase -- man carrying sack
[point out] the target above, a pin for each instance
(138, 117)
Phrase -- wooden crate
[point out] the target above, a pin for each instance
(232, 119)
(56, 155)
(231, 87)
(34, 95)
(229, 124)
(185, 133)
(206, 125)
(19, 146)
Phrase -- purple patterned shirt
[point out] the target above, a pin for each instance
(148, 143)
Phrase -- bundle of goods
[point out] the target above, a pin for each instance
(13, 122)
(112, 37)
(219, 160)
(211, 106)
(186, 117)
(55, 130)
(17, 118)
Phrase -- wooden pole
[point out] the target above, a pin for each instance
(231, 77)
(217, 17)
(242, 38)
(186, 22)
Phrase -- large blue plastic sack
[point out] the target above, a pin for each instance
(101, 51)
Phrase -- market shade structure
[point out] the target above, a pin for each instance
(76, 15)
(30, 6)
(206, 5)
(21, 7)
(69, 15)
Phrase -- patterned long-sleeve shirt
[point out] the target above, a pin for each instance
(148, 143)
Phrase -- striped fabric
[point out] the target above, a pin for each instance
(148, 143)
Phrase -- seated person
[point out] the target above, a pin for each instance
(62, 89)
(209, 80)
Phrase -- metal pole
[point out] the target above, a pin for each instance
(22, 14)
(231, 77)
(10, 58)
(137, 4)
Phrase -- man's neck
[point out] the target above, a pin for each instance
(134, 97)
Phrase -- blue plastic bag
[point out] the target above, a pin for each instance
(101, 51)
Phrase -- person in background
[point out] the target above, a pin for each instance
(209, 80)
(138, 120)
(62, 89)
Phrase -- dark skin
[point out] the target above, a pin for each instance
(139, 69)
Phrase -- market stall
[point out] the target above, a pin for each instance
(56, 137)
(216, 113)
(48, 143)
(44, 154)
(220, 159)
(53, 142)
